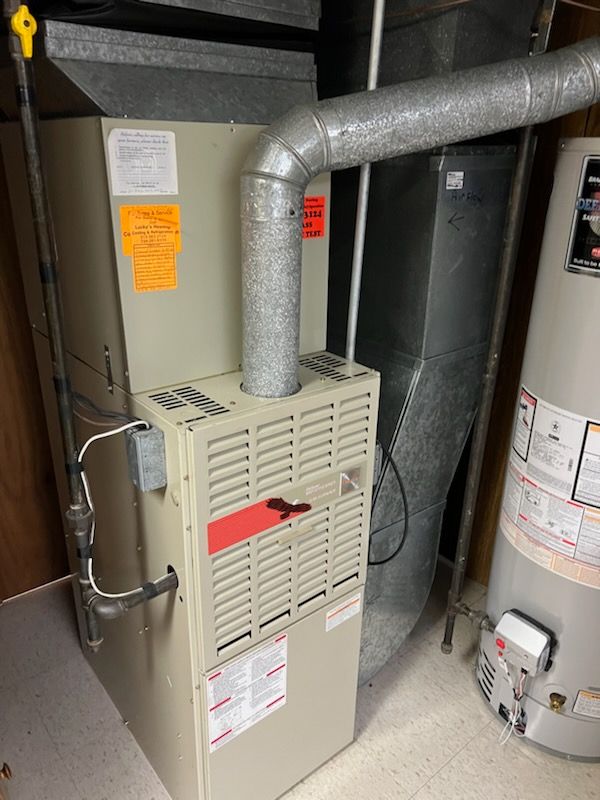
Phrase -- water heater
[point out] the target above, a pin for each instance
(540, 668)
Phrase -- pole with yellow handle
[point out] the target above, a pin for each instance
(24, 26)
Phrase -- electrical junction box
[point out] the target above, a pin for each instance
(147, 222)
(146, 457)
(243, 681)
(522, 643)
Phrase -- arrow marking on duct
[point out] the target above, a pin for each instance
(454, 219)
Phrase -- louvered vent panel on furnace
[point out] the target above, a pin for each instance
(348, 530)
(316, 441)
(232, 595)
(274, 455)
(314, 451)
(328, 366)
(313, 556)
(228, 473)
(353, 428)
(274, 584)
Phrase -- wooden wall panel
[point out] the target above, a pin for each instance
(32, 549)
(571, 24)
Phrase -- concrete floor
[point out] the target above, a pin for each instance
(422, 730)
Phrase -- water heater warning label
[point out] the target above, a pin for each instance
(551, 504)
(587, 704)
(246, 691)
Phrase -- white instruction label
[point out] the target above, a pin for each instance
(587, 704)
(455, 180)
(524, 423)
(142, 162)
(349, 608)
(246, 691)
(551, 504)
(587, 486)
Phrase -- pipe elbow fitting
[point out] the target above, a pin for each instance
(107, 608)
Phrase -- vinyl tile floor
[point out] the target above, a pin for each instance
(423, 732)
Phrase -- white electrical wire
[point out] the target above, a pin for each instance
(88, 497)
(135, 424)
(515, 714)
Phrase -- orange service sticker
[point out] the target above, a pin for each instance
(314, 217)
(151, 235)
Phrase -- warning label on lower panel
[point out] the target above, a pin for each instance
(587, 704)
(335, 616)
(246, 691)
(549, 509)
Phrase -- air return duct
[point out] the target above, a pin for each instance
(371, 126)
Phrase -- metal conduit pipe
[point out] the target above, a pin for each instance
(512, 236)
(22, 27)
(364, 183)
(78, 513)
(371, 126)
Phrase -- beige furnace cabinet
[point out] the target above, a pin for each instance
(146, 216)
(242, 681)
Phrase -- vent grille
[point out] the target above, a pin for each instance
(313, 557)
(167, 400)
(308, 450)
(228, 473)
(297, 567)
(353, 430)
(232, 596)
(486, 674)
(172, 399)
(274, 455)
(316, 441)
(274, 579)
(349, 521)
(328, 366)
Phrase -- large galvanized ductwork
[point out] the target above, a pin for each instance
(372, 126)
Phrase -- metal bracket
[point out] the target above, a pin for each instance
(541, 27)
(109, 375)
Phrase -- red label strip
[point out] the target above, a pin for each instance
(249, 521)
(272, 703)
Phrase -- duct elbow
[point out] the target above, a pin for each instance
(295, 149)
(370, 126)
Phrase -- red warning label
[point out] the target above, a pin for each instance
(314, 217)
(251, 520)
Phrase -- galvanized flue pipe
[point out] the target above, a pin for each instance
(370, 126)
